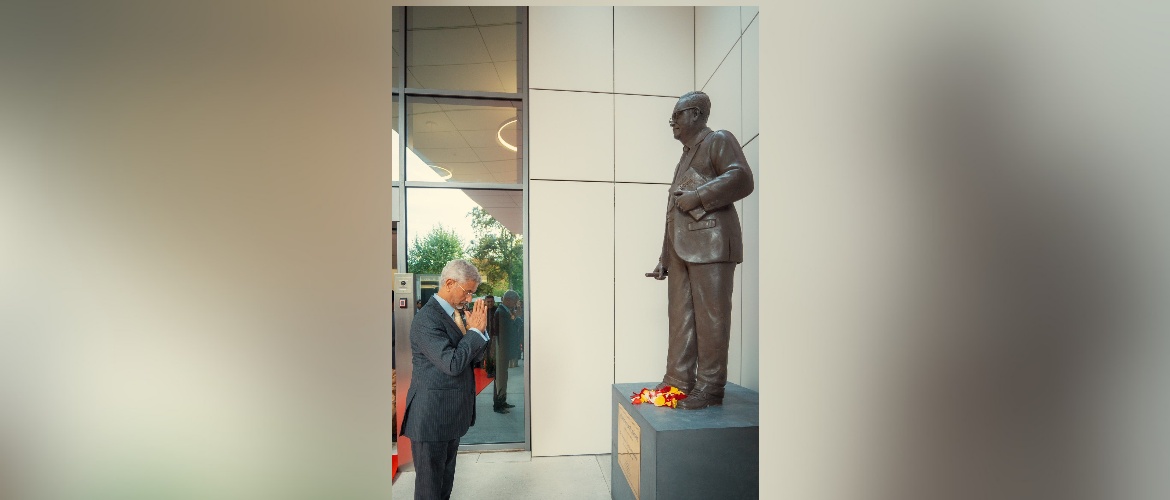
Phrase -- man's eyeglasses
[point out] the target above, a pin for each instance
(465, 292)
(678, 114)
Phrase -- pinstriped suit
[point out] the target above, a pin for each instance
(440, 404)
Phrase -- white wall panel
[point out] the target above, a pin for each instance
(725, 91)
(639, 302)
(646, 149)
(750, 47)
(571, 346)
(716, 30)
(570, 48)
(571, 135)
(746, 15)
(654, 50)
(750, 282)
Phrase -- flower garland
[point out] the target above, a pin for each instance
(667, 397)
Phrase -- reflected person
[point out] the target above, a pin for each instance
(510, 331)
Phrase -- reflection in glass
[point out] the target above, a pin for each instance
(462, 48)
(453, 140)
(485, 227)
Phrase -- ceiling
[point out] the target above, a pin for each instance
(506, 206)
(465, 48)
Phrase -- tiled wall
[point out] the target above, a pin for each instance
(603, 81)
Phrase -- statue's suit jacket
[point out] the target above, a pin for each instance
(724, 177)
(440, 404)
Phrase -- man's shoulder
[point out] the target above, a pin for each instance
(430, 312)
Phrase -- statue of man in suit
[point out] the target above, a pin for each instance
(440, 405)
(701, 246)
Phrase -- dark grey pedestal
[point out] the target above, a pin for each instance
(713, 453)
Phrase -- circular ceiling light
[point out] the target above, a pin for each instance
(500, 136)
(443, 173)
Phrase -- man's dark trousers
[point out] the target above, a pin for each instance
(429, 482)
(500, 389)
(700, 324)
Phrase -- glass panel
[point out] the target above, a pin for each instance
(483, 226)
(396, 44)
(394, 142)
(462, 48)
(453, 140)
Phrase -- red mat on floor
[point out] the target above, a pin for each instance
(481, 379)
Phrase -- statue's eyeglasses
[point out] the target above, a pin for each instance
(678, 114)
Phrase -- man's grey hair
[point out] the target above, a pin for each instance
(510, 295)
(460, 270)
(700, 100)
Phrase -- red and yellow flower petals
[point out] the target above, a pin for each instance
(668, 397)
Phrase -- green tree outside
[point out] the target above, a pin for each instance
(433, 251)
(497, 253)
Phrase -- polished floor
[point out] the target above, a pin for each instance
(491, 427)
(517, 475)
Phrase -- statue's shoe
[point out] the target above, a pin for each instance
(699, 400)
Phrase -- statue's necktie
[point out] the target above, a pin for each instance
(459, 321)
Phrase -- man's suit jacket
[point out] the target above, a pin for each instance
(723, 177)
(440, 404)
(511, 332)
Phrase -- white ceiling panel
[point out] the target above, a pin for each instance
(505, 206)
(507, 73)
(447, 46)
(502, 166)
(440, 17)
(430, 140)
(494, 153)
(434, 121)
(495, 15)
(446, 155)
(498, 199)
(411, 81)
(482, 118)
(479, 138)
(459, 76)
(501, 42)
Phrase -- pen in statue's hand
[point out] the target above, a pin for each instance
(659, 272)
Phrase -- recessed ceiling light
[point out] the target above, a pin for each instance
(500, 137)
(444, 173)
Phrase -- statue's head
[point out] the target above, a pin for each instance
(690, 115)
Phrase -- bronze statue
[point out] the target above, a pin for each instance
(700, 248)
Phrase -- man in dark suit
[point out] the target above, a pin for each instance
(700, 248)
(440, 404)
(511, 329)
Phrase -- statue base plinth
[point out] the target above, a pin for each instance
(666, 453)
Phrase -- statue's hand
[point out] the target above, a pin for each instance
(686, 200)
(659, 272)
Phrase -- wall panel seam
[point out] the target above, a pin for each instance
(721, 61)
(606, 93)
